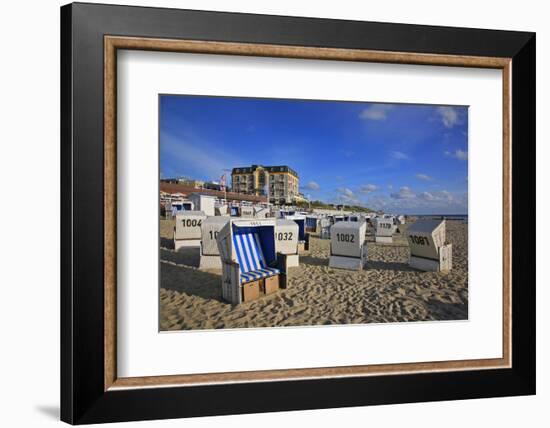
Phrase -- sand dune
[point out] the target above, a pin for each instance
(386, 291)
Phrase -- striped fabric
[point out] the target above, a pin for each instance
(252, 264)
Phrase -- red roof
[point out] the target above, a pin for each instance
(187, 190)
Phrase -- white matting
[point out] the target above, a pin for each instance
(143, 351)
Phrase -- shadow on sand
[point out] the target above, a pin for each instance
(178, 272)
(185, 256)
(313, 261)
(448, 311)
(395, 266)
(166, 243)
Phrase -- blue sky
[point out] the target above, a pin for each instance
(400, 158)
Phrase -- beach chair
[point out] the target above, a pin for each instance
(429, 251)
(221, 210)
(187, 231)
(312, 224)
(384, 228)
(250, 264)
(324, 225)
(261, 212)
(347, 245)
(286, 241)
(204, 203)
(210, 254)
(303, 236)
(246, 211)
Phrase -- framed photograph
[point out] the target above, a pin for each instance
(266, 213)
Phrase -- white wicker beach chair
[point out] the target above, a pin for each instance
(247, 249)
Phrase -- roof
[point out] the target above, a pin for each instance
(252, 168)
(425, 226)
(187, 190)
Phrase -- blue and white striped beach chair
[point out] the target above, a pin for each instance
(250, 257)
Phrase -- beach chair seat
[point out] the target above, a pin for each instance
(250, 257)
(258, 274)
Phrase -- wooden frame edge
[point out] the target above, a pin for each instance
(112, 43)
(109, 198)
(507, 213)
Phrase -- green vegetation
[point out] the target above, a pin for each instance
(323, 205)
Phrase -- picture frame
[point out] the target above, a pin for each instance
(91, 391)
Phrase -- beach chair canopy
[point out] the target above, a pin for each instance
(311, 222)
(221, 209)
(246, 211)
(325, 222)
(384, 226)
(347, 238)
(188, 224)
(210, 229)
(254, 249)
(286, 236)
(425, 237)
(301, 222)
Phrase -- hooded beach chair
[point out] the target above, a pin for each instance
(429, 251)
(347, 245)
(303, 236)
(312, 224)
(250, 264)
(384, 229)
(210, 254)
(286, 241)
(187, 231)
(324, 225)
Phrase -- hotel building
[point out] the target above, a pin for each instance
(279, 183)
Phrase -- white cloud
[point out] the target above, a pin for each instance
(458, 154)
(446, 196)
(408, 201)
(368, 188)
(376, 112)
(399, 155)
(461, 154)
(427, 196)
(345, 191)
(449, 116)
(404, 193)
(424, 177)
(312, 185)
(346, 196)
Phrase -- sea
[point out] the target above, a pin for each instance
(458, 217)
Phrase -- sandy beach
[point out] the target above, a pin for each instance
(386, 291)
